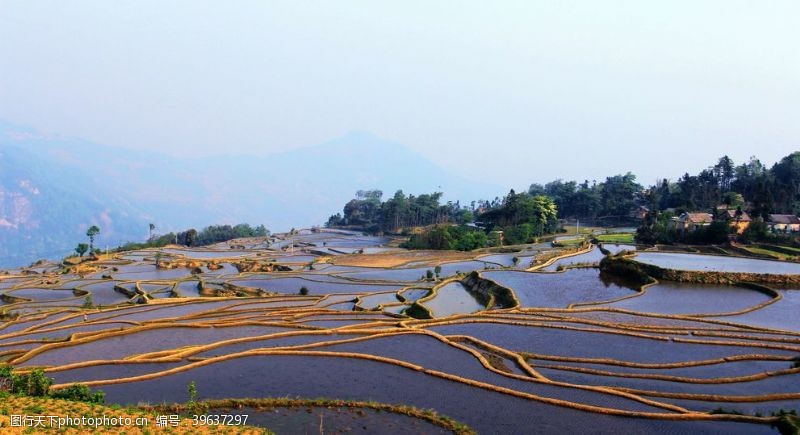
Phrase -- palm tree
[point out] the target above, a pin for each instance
(152, 227)
(90, 233)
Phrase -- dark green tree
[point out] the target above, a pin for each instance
(93, 231)
(81, 249)
(191, 237)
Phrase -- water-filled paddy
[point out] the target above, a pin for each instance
(41, 294)
(103, 293)
(559, 290)
(566, 329)
(507, 260)
(698, 262)
(355, 379)
(683, 298)
(374, 301)
(294, 285)
(409, 275)
(781, 315)
(453, 298)
(721, 369)
(152, 340)
(592, 257)
(431, 353)
(295, 259)
(114, 370)
(615, 248)
(205, 255)
(769, 385)
(413, 294)
(581, 344)
(153, 274)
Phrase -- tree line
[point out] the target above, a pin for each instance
(191, 237)
(368, 212)
(726, 191)
(751, 185)
(522, 217)
(517, 218)
(210, 235)
(610, 200)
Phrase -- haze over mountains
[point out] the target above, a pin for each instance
(53, 188)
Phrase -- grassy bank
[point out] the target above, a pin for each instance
(46, 406)
(621, 238)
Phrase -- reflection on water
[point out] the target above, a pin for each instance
(453, 298)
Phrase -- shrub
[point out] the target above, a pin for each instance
(34, 384)
(8, 315)
(80, 393)
(88, 302)
(788, 422)
(6, 372)
(194, 406)
(303, 290)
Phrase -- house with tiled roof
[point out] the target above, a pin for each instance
(740, 221)
(694, 221)
(783, 223)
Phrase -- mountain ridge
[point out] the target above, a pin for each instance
(81, 183)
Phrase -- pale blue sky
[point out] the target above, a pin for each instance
(491, 89)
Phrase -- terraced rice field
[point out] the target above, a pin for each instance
(563, 351)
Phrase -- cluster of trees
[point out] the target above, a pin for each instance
(368, 212)
(207, 236)
(521, 217)
(91, 233)
(656, 229)
(756, 188)
(454, 237)
(751, 185)
(611, 200)
(222, 233)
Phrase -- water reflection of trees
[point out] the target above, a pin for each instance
(608, 279)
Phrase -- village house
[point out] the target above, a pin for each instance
(740, 222)
(694, 221)
(640, 212)
(783, 223)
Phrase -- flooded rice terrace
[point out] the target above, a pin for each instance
(492, 339)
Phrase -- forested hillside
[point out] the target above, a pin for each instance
(750, 187)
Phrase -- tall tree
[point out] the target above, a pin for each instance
(191, 237)
(91, 233)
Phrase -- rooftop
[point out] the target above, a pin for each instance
(788, 219)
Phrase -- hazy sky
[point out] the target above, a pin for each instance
(511, 91)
